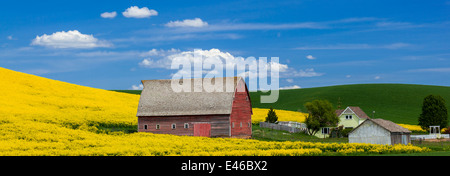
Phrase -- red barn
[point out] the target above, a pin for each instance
(225, 112)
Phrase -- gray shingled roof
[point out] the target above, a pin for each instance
(386, 124)
(158, 99)
(390, 126)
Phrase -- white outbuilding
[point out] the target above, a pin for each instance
(379, 131)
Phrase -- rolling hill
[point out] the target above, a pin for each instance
(400, 103)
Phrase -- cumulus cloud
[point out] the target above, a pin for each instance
(197, 22)
(377, 77)
(137, 87)
(69, 39)
(290, 87)
(290, 80)
(136, 12)
(221, 61)
(310, 57)
(109, 14)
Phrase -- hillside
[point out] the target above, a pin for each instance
(400, 103)
(32, 98)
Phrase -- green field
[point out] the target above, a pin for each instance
(400, 103)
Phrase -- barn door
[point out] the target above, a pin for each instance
(202, 129)
(404, 139)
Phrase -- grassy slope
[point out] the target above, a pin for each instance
(400, 103)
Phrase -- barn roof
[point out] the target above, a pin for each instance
(386, 124)
(390, 126)
(357, 110)
(159, 99)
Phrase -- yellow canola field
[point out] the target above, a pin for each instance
(259, 115)
(39, 116)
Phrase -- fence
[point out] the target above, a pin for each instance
(292, 127)
(429, 136)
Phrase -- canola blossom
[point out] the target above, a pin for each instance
(39, 116)
(260, 114)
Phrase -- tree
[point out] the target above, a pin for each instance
(321, 114)
(434, 112)
(271, 116)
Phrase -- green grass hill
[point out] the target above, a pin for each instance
(400, 103)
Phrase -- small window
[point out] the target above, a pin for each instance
(240, 125)
(325, 130)
(157, 126)
(232, 125)
(347, 117)
(145, 127)
(174, 126)
(249, 124)
(246, 98)
(186, 125)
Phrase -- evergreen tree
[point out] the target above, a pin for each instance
(271, 116)
(434, 112)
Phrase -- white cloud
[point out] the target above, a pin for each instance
(109, 14)
(348, 76)
(136, 12)
(304, 73)
(377, 77)
(137, 87)
(161, 52)
(69, 39)
(290, 87)
(146, 63)
(197, 22)
(290, 80)
(208, 57)
(10, 37)
(310, 57)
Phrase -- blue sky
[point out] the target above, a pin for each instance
(321, 43)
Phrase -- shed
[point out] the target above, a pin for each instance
(222, 112)
(379, 131)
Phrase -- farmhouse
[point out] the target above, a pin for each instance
(379, 131)
(349, 117)
(224, 111)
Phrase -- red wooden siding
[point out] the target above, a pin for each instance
(202, 129)
(241, 113)
(219, 124)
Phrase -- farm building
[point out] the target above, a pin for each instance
(379, 131)
(225, 112)
(349, 117)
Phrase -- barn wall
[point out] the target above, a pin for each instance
(219, 124)
(396, 138)
(370, 133)
(241, 113)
